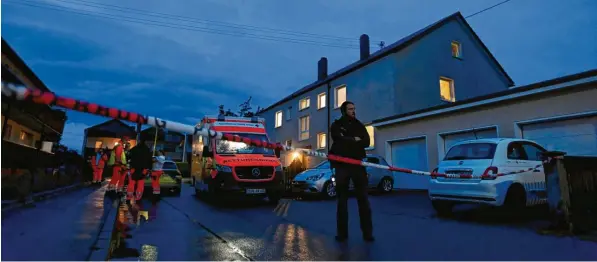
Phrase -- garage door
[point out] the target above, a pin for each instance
(451, 139)
(574, 136)
(410, 154)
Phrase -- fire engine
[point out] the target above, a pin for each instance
(222, 168)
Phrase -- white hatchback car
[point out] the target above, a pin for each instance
(483, 159)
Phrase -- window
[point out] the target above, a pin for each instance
(304, 103)
(321, 101)
(471, 151)
(516, 151)
(278, 119)
(26, 138)
(456, 50)
(446, 89)
(321, 141)
(340, 96)
(371, 132)
(304, 128)
(288, 142)
(288, 113)
(98, 144)
(534, 153)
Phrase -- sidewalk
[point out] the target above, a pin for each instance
(37, 197)
(63, 228)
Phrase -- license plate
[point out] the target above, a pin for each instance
(255, 191)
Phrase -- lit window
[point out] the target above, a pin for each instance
(279, 119)
(321, 101)
(456, 49)
(340, 96)
(371, 132)
(304, 128)
(446, 89)
(26, 138)
(288, 113)
(321, 141)
(304, 103)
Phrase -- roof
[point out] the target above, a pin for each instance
(21, 65)
(393, 48)
(113, 127)
(589, 76)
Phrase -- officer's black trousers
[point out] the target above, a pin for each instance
(359, 178)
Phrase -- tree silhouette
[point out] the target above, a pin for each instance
(244, 110)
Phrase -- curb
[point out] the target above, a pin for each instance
(108, 236)
(38, 197)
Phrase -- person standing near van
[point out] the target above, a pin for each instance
(140, 163)
(156, 172)
(350, 138)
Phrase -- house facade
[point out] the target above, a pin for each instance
(440, 64)
(37, 127)
(106, 135)
(559, 114)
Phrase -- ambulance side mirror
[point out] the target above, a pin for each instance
(206, 152)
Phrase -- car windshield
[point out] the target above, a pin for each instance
(323, 165)
(471, 151)
(169, 165)
(224, 147)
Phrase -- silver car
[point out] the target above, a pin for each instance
(318, 180)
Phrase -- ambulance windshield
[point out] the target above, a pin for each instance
(224, 147)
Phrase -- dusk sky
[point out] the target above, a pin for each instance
(181, 75)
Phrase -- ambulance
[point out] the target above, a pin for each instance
(222, 169)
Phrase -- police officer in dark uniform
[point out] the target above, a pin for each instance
(350, 138)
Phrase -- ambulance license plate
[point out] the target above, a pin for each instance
(252, 191)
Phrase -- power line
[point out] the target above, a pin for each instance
(179, 26)
(498, 4)
(203, 21)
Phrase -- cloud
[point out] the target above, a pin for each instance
(73, 135)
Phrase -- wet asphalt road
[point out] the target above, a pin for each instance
(187, 228)
(61, 228)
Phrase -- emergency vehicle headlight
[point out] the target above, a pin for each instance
(278, 168)
(222, 168)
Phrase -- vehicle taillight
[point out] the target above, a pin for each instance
(490, 173)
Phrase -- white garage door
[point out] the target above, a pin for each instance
(577, 137)
(451, 139)
(410, 154)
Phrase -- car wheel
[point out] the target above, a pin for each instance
(329, 190)
(442, 208)
(516, 199)
(386, 185)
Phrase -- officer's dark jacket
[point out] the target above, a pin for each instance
(343, 131)
(140, 159)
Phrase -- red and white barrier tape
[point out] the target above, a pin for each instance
(50, 99)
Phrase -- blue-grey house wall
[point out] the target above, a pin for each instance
(408, 80)
(398, 83)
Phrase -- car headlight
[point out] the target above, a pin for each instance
(278, 169)
(221, 168)
(315, 177)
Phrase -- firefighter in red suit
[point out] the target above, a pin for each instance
(118, 162)
(98, 162)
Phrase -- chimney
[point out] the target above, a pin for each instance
(364, 46)
(322, 69)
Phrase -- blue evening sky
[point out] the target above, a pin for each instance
(183, 74)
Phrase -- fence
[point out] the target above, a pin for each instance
(27, 170)
(572, 190)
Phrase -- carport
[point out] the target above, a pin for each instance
(106, 134)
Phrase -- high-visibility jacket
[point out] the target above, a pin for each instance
(118, 156)
(99, 163)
